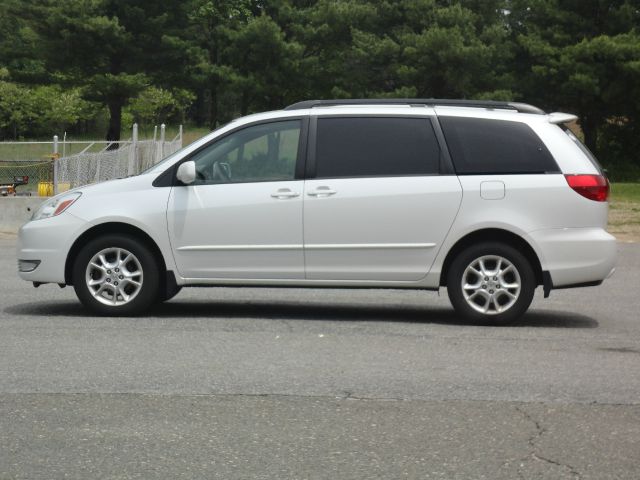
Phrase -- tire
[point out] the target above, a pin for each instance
(500, 296)
(119, 264)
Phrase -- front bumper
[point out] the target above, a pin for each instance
(48, 241)
(576, 256)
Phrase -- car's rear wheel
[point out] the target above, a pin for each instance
(491, 283)
(116, 275)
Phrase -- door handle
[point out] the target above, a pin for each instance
(283, 193)
(322, 191)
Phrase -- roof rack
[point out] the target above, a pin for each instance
(491, 104)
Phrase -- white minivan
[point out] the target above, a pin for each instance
(488, 199)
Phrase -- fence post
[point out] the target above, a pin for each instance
(133, 149)
(155, 144)
(55, 164)
(180, 136)
(162, 134)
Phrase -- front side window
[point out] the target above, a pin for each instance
(260, 153)
(485, 146)
(369, 146)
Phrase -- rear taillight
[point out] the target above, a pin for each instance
(593, 187)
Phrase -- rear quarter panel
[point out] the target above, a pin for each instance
(531, 203)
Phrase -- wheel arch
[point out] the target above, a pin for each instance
(111, 228)
(493, 235)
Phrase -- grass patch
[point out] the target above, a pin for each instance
(625, 192)
(624, 215)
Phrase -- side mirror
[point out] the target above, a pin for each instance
(187, 172)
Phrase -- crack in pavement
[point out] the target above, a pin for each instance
(348, 395)
(537, 434)
(340, 395)
(344, 395)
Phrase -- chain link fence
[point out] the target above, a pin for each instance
(38, 173)
(91, 161)
(25, 159)
(129, 159)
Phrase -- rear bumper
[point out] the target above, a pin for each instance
(575, 257)
(48, 241)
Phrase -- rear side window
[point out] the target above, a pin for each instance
(356, 147)
(584, 148)
(483, 146)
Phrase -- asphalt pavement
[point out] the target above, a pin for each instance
(314, 384)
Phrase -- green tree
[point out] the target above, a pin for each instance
(157, 105)
(211, 23)
(15, 109)
(583, 57)
(325, 31)
(453, 52)
(56, 109)
(264, 65)
(19, 46)
(111, 48)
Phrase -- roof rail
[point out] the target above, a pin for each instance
(491, 104)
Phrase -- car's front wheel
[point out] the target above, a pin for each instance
(491, 283)
(116, 275)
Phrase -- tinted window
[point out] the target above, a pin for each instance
(260, 153)
(353, 147)
(495, 146)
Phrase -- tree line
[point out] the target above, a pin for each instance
(73, 64)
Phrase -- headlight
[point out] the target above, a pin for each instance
(55, 206)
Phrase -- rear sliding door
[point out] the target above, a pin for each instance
(376, 206)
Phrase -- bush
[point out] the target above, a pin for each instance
(157, 105)
(15, 110)
(42, 110)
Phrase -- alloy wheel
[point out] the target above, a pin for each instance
(491, 284)
(114, 276)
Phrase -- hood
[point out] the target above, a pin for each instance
(119, 185)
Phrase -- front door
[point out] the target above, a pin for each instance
(242, 218)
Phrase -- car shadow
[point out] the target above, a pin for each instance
(309, 312)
